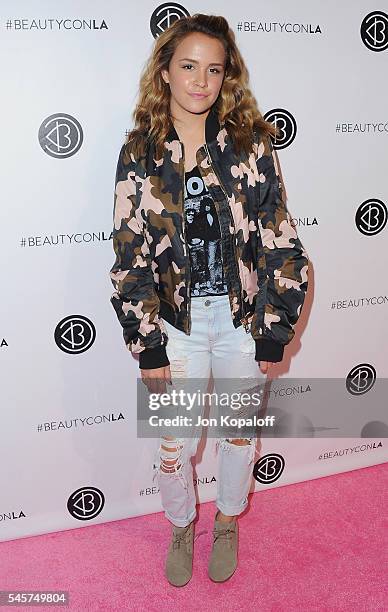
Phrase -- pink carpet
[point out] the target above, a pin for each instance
(317, 545)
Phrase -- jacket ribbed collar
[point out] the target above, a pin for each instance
(212, 128)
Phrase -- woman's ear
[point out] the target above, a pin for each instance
(165, 76)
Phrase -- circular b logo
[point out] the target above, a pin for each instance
(374, 31)
(165, 15)
(361, 379)
(75, 334)
(269, 468)
(86, 503)
(286, 124)
(371, 217)
(60, 135)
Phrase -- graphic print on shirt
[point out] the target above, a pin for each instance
(204, 238)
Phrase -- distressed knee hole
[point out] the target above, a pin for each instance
(178, 367)
(239, 441)
(170, 465)
(171, 470)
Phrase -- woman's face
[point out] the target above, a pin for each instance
(197, 66)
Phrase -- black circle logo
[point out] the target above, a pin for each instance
(286, 124)
(374, 31)
(86, 503)
(165, 15)
(371, 217)
(75, 334)
(60, 135)
(268, 468)
(361, 379)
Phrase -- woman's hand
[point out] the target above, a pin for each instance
(265, 366)
(155, 379)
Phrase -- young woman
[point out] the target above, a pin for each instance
(210, 275)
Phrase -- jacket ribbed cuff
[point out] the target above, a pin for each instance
(269, 350)
(153, 358)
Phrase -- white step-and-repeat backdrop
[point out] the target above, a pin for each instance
(70, 455)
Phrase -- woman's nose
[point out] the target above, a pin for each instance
(201, 80)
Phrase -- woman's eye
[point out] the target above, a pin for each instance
(187, 65)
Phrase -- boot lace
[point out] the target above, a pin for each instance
(224, 535)
(178, 537)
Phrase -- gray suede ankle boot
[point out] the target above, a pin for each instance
(223, 558)
(179, 562)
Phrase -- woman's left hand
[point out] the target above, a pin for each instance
(265, 366)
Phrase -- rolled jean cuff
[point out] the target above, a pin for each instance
(231, 511)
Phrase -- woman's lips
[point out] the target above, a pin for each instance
(194, 95)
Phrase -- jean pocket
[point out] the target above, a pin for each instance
(176, 350)
(247, 344)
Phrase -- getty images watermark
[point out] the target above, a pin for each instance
(186, 407)
(355, 406)
(189, 401)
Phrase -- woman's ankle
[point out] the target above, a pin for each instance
(223, 518)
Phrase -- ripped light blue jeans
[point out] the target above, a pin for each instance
(214, 346)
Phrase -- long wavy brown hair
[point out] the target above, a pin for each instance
(235, 105)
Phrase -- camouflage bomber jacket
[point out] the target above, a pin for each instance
(265, 263)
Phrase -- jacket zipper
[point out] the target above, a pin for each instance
(243, 320)
(186, 244)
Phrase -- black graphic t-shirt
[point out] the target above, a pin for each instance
(204, 238)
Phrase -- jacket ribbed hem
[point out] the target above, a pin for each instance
(153, 358)
(268, 350)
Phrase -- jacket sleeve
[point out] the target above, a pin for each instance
(135, 299)
(282, 269)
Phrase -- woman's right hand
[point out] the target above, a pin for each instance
(155, 379)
